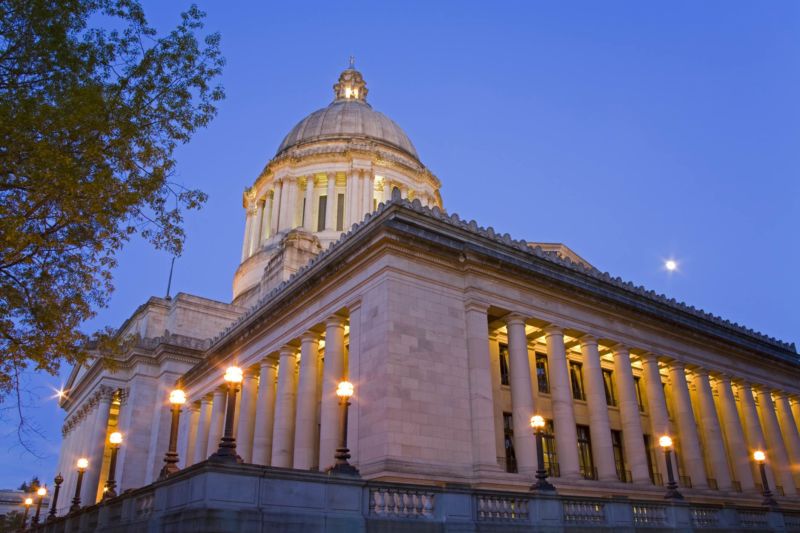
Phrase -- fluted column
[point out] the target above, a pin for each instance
(795, 403)
(306, 419)
(217, 420)
(247, 416)
(203, 428)
(266, 220)
(690, 450)
(289, 207)
(193, 417)
(656, 406)
(712, 432)
(387, 190)
(333, 371)
(522, 408)
(599, 426)
(478, 394)
(265, 412)
(791, 436)
(734, 434)
(369, 192)
(255, 238)
(633, 443)
(285, 402)
(330, 205)
(275, 215)
(248, 230)
(776, 450)
(561, 398)
(753, 431)
(96, 447)
(308, 209)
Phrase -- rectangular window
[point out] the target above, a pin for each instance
(608, 387)
(585, 462)
(655, 477)
(542, 373)
(322, 211)
(503, 364)
(637, 382)
(340, 213)
(508, 442)
(619, 456)
(576, 378)
(550, 455)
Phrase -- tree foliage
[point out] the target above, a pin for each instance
(93, 103)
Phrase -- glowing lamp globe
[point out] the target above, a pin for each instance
(665, 441)
(42, 491)
(177, 397)
(233, 374)
(115, 438)
(759, 456)
(537, 421)
(83, 463)
(344, 390)
(29, 501)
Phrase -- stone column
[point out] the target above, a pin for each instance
(332, 374)
(265, 412)
(494, 368)
(712, 433)
(656, 407)
(753, 431)
(790, 434)
(690, 451)
(203, 428)
(330, 204)
(289, 210)
(255, 240)
(97, 446)
(275, 215)
(266, 221)
(561, 397)
(795, 403)
(308, 209)
(632, 441)
(217, 421)
(193, 416)
(369, 191)
(776, 450)
(522, 408)
(248, 230)
(283, 435)
(353, 374)
(247, 416)
(306, 418)
(734, 434)
(599, 426)
(387, 190)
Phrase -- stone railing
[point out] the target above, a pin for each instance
(212, 497)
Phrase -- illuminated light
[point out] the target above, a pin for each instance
(759, 456)
(671, 265)
(344, 390)
(665, 441)
(537, 421)
(28, 501)
(42, 491)
(348, 92)
(177, 397)
(115, 438)
(355, 93)
(233, 374)
(83, 463)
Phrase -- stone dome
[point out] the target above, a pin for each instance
(349, 116)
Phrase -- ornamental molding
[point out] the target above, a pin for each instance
(104, 394)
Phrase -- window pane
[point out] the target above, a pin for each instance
(608, 387)
(639, 398)
(576, 377)
(340, 213)
(542, 373)
(321, 212)
(619, 456)
(508, 441)
(503, 364)
(585, 452)
(550, 455)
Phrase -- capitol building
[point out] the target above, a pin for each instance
(649, 414)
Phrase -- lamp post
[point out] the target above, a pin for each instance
(176, 399)
(110, 490)
(28, 502)
(665, 442)
(227, 446)
(537, 423)
(342, 467)
(41, 492)
(761, 458)
(83, 464)
(58, 481)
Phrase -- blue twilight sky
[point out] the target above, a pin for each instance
(632, 131)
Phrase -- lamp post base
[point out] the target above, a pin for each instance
(542, 485)
(673, 494)
(226, 452)
(769, 501)
(341, 467)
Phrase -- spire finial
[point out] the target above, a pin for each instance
(351, 84)
(352, 62)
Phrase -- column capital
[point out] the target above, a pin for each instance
(677, 364)
(472, 304)
(267, 362)
(514, 319)
(287, 350)
(309, 336)
(206, 398)
(779, 395)
(620, 348)
(587, 340)
(722, 377)
(700, 371)
(649, 358)
(335, 321)
(553, 329)
(194, 406)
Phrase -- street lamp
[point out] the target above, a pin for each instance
(110, 490)
(176, 399)
(341, 467)
(761, 458)
(665, 441)
(28, 503)
(58, 481)
(227, 446)
(537, 423)
(83, 464)
(41, 493)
